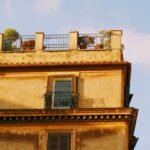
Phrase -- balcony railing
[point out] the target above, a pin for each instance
(56, 42)
(60, 100)
(94, 41)
(23, 43)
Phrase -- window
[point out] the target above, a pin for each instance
(59, 141)
(61, 92)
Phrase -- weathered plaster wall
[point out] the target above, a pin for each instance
(60, 56)
(95, 89)
(101, 89)
(97, 136)
(22, 91)
(104, 138)
(11, 141)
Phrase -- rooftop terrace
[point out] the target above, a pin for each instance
(73, 47)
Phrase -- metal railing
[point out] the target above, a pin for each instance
(60, 100)
(23, 43)
(56, 42)
(93, 41)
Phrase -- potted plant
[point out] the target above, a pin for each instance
(10, 36)
(99, 46)
(28, 45)
(105, 39)
(84, 41)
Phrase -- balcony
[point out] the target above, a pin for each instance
(60, 100)
(73, 40)
(63, 48)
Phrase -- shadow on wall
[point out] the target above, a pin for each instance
(5, 104)
(15, 141)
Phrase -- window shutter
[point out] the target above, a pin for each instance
(49, 91)
(48, 101)
(50, 84)
(74, 84)
(74, 91)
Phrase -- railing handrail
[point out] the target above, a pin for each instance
(50, 42)
(70, 102)
(56, 41)
(93, 41)
(56, 45)
(56, 35)
(94, 34)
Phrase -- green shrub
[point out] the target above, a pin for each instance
(10, 36)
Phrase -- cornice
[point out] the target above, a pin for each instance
(73, 115)
(66, 63)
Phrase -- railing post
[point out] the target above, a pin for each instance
(1, 42)
(39, 42)
(73, 40)
(116, 39)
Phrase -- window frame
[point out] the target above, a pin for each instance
(50, 89)
(53, 89)
(59, 134)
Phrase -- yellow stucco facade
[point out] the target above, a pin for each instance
(112, 136)
(96, 89)
(100, 117)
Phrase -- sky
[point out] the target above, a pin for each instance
(91, 16)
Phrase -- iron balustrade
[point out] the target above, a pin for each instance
(94, 41)
(24, 42)
(60, 100)
(56, 42)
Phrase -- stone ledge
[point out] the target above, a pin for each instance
(65, 118)
(63, 112)
(63, 56)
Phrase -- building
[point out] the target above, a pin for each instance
(67, 92)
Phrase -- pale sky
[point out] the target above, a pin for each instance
(90, 16)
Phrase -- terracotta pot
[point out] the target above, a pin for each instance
(99, 46)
